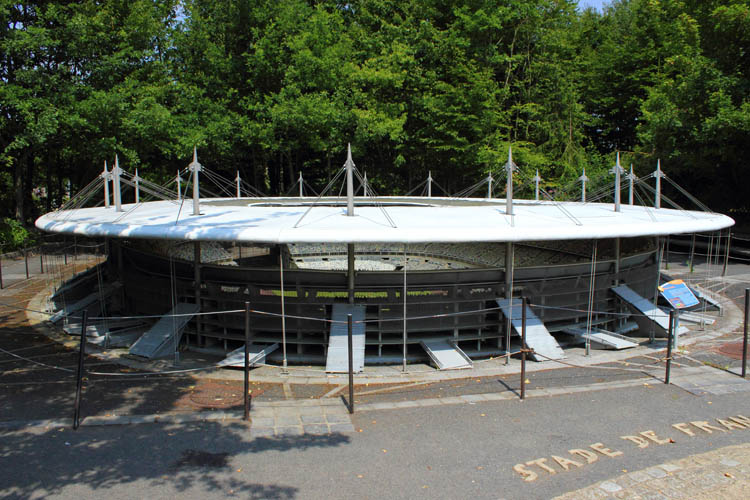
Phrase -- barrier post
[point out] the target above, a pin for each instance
(670, 336)
(26, 261)
(247, 361)
(744, 342)
(41, 259)
(523, 348)
(351, 363)
(79, 374)
(1, 272)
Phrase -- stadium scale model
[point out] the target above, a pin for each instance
(418, 273)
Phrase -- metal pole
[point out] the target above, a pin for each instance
(41, 259)
(350, 271)
(1, 273)
(669, 345)
(351, 362)
(283, 310)
(403, 367)
(744, 342)
(692, 252)
(726, 253)
(523, 348)
(509, 258)
(666, 255)
(79, 374)
(26, 261)
(197, 279)
(247, 361)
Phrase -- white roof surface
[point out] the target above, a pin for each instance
(417, 220)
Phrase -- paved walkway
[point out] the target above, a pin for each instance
(719, 474)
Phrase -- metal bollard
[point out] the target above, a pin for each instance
(1, 273)
(41, 260)
(744, 342)
(670, 337)
(523, 348)
(351, 363)
(247, 360)
(79, 375)
(26, 261)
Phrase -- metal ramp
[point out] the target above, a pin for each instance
(706, 298)
(446, 355)
(538, 337)
(100, 327)
(338, 347)
(160, 339)
(83, 303)
(119, 338)
(646, 307)
(602, 337)
(256, 354)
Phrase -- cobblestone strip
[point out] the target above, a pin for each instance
(723, 473)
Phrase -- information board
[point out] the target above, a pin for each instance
(678, 294)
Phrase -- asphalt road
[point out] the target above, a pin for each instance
(451, 451)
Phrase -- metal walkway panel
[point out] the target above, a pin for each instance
(119, 338)
(100, 328)
(160, 338)
(446, 355)
(646, 307)
(256, 354)
(607, 339)
(338, 347)
(697, 318)
(83, 303)
(707, 298)
(537, 335)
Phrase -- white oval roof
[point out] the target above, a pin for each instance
(377, 220)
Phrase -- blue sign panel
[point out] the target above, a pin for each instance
(678, 294)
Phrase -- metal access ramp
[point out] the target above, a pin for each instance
(446, 355)
(646, 307)
(538, 337)
(83, 303)
(338, 347)
(101, 327)
(160, 339)
(256, 355)
(607, 339)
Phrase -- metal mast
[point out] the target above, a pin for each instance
(195, 168)
(536, 180)
(617, 170)
(137, 187)
(106, 176)
(583, 180)
(631, 180)
(510, 167)
(116, 185)
(658, 175)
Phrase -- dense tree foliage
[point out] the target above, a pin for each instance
(272, 88)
